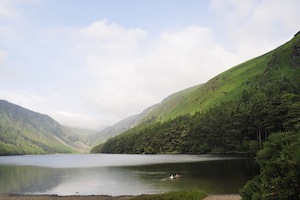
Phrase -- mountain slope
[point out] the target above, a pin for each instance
(230, 84)
(226, 86)
(26, 132)
(172, 106)
(234, 111)
(119, 127)
(169, 103)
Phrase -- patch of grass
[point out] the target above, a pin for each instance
(178, 195)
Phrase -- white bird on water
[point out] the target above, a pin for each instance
(174, 176)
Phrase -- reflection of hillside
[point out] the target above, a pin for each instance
(212, 176)
(72, 181)
(28, 179)
(219, 176)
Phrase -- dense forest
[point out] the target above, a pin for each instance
(267, 103)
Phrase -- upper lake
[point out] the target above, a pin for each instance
(113, 174)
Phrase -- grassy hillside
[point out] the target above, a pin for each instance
(26, 132)
(174, 105)
(234, 111)
(230, 84)
(226, 86)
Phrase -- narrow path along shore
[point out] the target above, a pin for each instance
(101, 197)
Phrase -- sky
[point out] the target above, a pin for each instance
(92, 63)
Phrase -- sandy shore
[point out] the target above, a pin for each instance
(99, 197)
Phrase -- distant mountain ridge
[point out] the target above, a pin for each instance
(23, 131)
(146, 116)
(119, 127)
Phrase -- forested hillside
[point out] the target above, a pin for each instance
(233, 112)
(26, 132)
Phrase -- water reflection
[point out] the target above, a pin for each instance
(225, 176)
(210, 175)
(28, 179)
(81, 181)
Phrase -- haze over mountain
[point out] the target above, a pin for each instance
(119, 127)
(131, 121)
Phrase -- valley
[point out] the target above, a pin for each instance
(233, 112)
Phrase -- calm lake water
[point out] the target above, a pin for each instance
(109, 174)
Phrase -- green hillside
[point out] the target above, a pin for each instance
(228, 85)
(26, 132)
(234, 111)
(176, 104)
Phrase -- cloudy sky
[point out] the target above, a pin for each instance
(91, 63)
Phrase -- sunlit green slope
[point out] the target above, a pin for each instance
(230, 84)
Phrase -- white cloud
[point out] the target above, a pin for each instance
(3, 55)
(79, 120)
(23, 98)
(8, 18)
(13, 19)
(107, 39)
(181, 59)
(6, 10)
(233, 11)
(129, 71)
(4, 70)
(254, 27)
(104, 72)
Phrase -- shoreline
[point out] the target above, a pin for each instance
(102, 197)
(58, 197)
